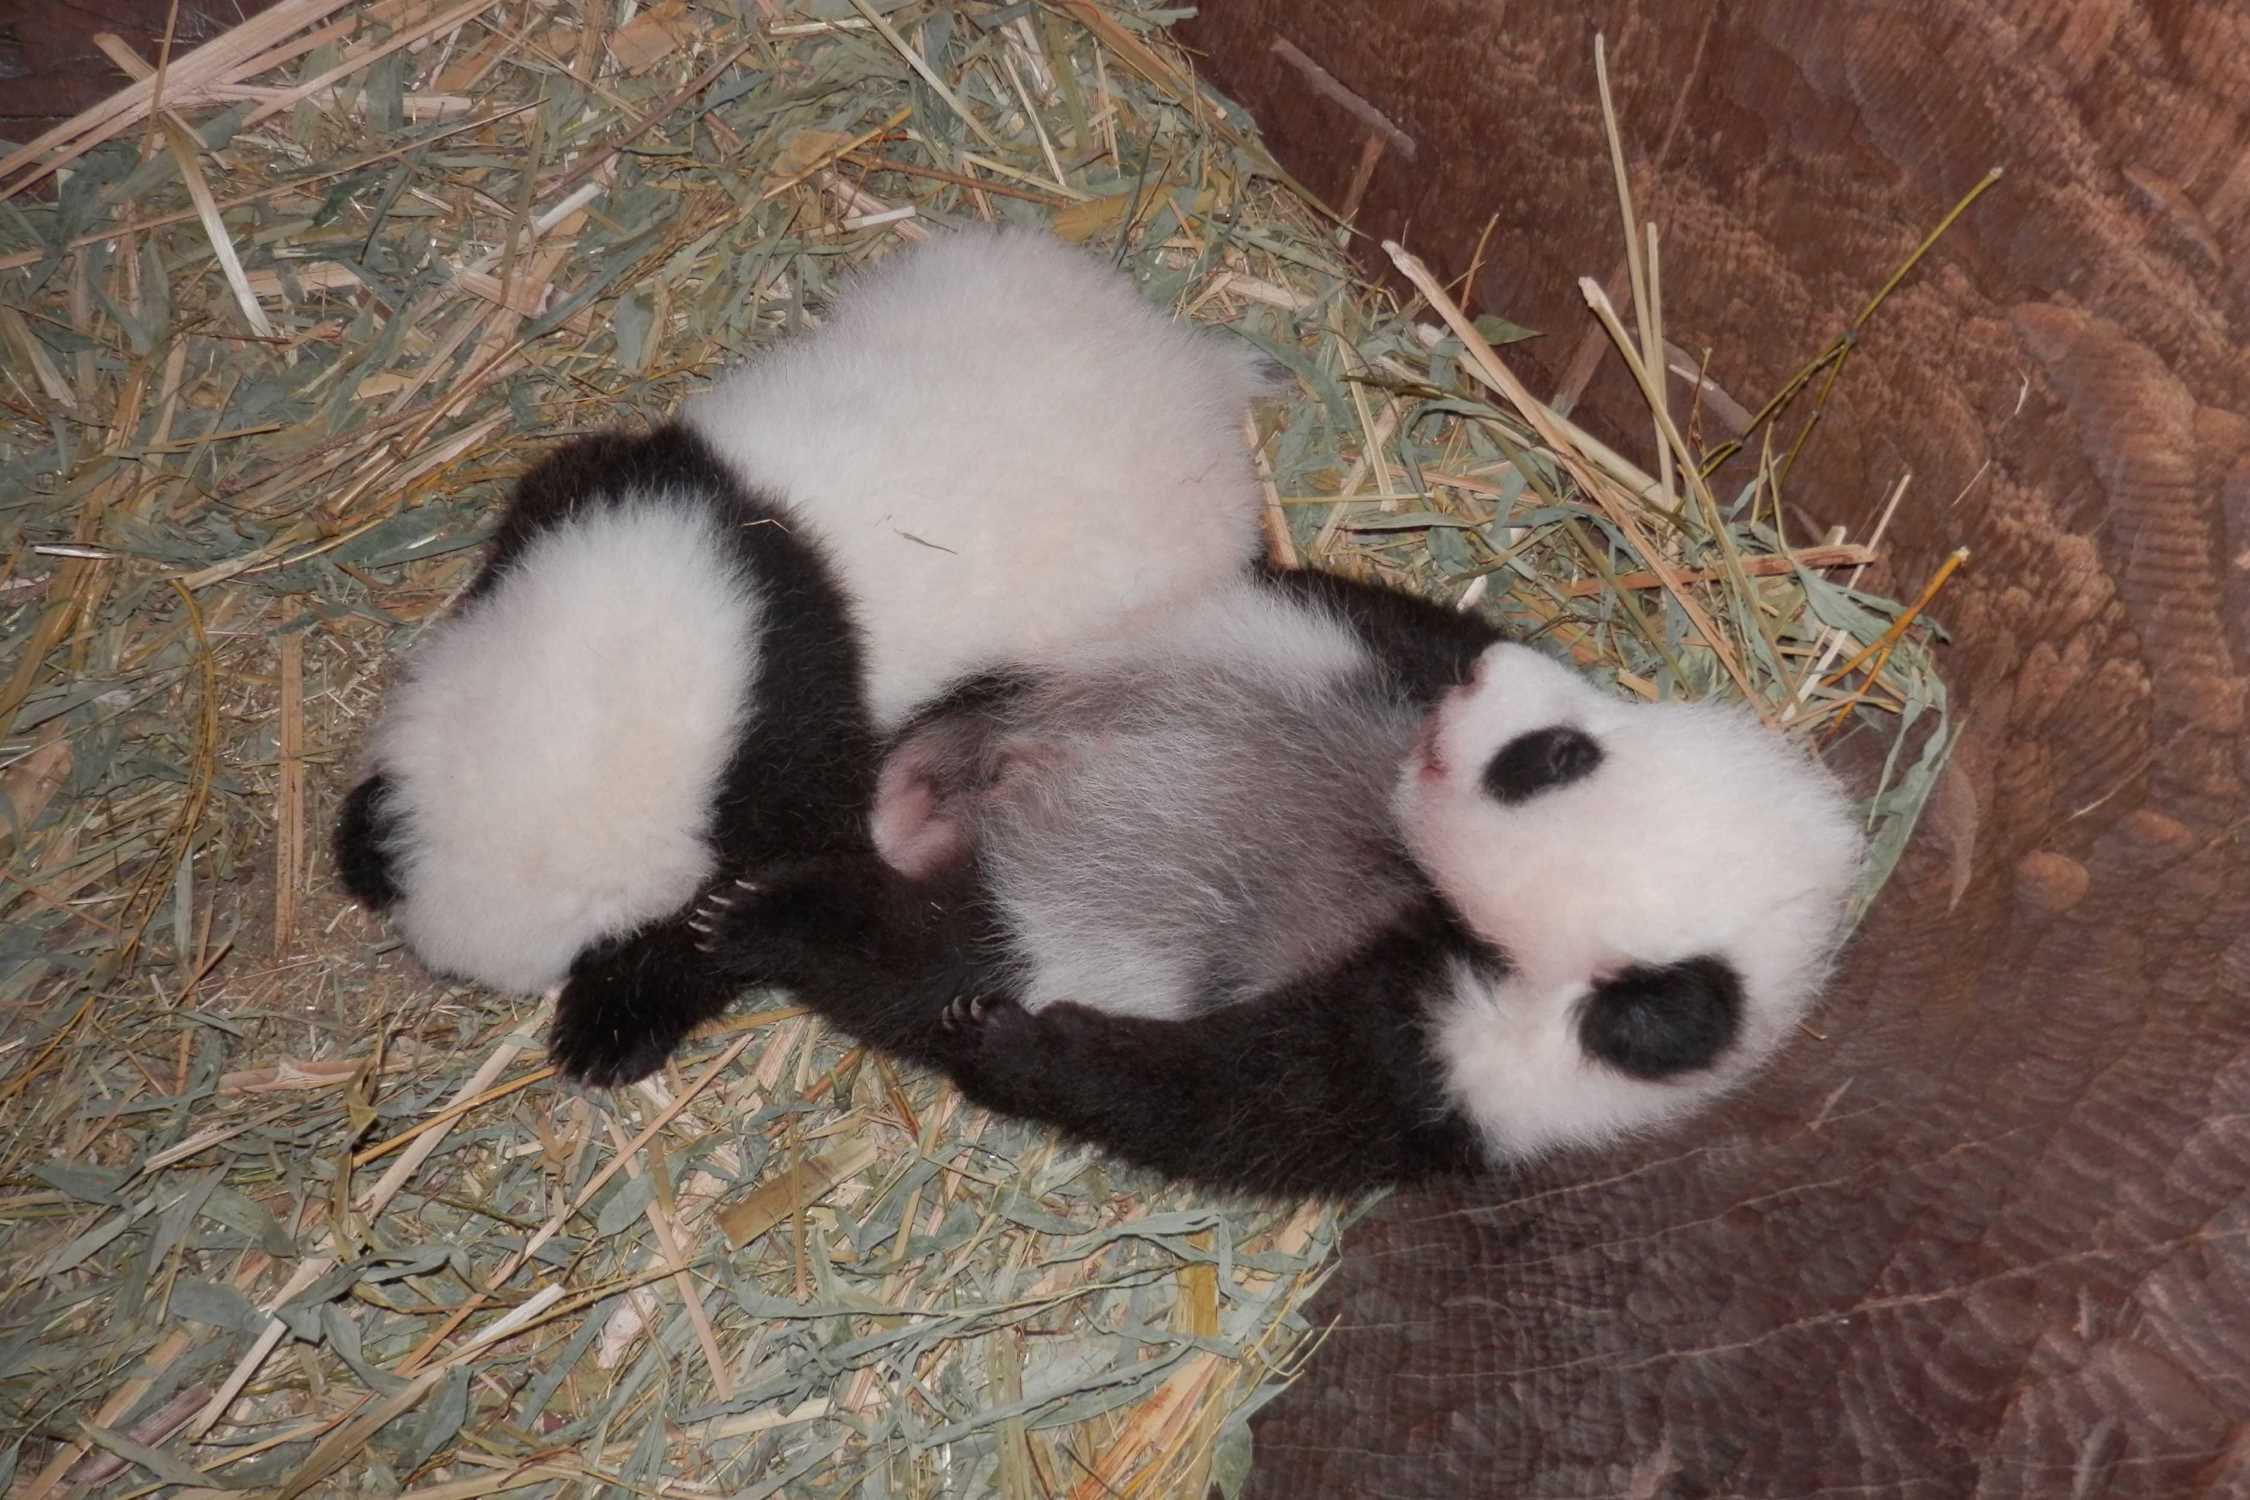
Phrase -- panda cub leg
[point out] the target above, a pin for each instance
(1326, 1086)
(629, 1004)
(877, 954)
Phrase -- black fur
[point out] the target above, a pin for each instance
(1323, 1086)
(629, 1003)
(878, 954)
(798, 785)
(984, 693)
(600, 470)
(1540, 761)
(363, 862)
(1657, 1022)
(1424, 648)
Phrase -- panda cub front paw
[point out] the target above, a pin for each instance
(991, 1043)
(968, 1012)
(790, 923)
(717, 913)
(598, 1048)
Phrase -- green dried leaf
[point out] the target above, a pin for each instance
(159, 1463)
(79, 1249)
(440, 1423)
(215, 1304)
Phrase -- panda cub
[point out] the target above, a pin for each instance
(650, 656)
(683, 646)
(1319, 889)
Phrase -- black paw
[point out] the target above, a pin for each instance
(724, 908)
(761, 929)
(789, 924)
(983, 1034)
(601, 1047)
(1004, 1056)
(968, 1012)
(629, 1004)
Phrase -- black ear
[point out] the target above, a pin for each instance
(1539, 762)
(1658, 1022)
(362, 860)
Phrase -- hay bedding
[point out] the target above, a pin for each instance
(280, 1214)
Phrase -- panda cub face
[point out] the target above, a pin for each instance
(1667, 882)
(1507, 792)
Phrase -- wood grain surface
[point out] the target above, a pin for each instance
(50, 70)
(1987, 1235)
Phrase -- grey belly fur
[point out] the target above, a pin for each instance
(1182, 835)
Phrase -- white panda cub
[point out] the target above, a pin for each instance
(1326, 892)
(682, 645)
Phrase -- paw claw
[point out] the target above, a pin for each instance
(964, 1012)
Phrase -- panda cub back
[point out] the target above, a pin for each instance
(1006, 448)
(551, 761)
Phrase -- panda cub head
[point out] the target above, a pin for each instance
(1667, 881)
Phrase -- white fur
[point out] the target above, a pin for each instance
(1006, 451)
(558, 744)
(1241, 626)
(1700, 832)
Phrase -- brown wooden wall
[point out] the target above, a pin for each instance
(1993, 1235)
(50, 70)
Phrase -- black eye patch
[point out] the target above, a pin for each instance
(1539, 762)
(1654, 1023)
